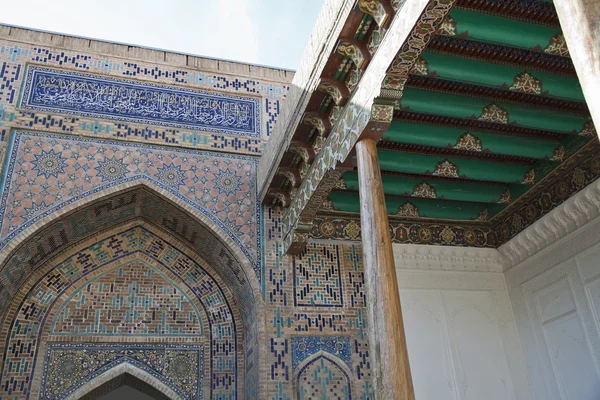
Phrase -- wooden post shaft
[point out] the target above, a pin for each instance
(387, 339)
(580, 23)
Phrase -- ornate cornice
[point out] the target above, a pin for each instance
(330, 23)
(445, 258)
(575, 212)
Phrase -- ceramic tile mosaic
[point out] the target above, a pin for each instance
(46, 172)
(323, 379)
(131, 249)
(74, 93)
(68, 366)
(132, 300)
(114, 193)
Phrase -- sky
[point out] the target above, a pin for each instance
(266, 32)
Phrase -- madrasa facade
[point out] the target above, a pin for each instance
(413, 213)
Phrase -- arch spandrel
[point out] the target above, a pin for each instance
(219, 190)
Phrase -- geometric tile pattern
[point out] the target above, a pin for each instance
(302, 333)
(113, 210)
(68, 366)
(317, 278)
(134, 300)
(324, 313)
(74, 93)
(323, 379)
(129, 247)
(305, 346)
(47, 171)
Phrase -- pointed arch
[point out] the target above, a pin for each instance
(134, 241)
(117, 204)
(125, 374)
(225, 234)
(323, 376)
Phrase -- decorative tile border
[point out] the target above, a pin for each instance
(69, 366)
(417, 232)
(305, 346)
(76, 93)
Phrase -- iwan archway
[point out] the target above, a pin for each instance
(129, 280)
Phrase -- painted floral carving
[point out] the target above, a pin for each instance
(466, 141)
(393, 82)
(424, 189)
(526, 83)
(448, 27)
(559, 154)
(494, 113)
(374, 8)
(408, 210)
(382, 113)
(557, 46)
(588, 129)
(446, 168)
(505, 197)
(483, 214)
(352, 51)
(579, 177)
(529, 178)
(375, 40)
(420, 68)
(318, 144)
(327, 205)
(332, 90)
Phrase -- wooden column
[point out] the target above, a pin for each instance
(580, 23)
(387, 340)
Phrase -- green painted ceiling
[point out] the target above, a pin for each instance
(496, 29)
(472, 135)
(489, 74)
(452, 105)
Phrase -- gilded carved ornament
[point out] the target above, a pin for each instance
(526, 83)
(317, 122)
(301, 152)
(375, 9)
(289, 175)
(494, 113)
(353, 51)
(335, 90)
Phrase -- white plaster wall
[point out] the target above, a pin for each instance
(556, 299)
(461, 335)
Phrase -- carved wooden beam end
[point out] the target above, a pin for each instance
(336, 89)
(380, 10)
(355, 50)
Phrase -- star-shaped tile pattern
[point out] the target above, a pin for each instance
(47, 172)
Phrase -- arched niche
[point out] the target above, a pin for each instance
(142, 205)
(323, 376)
